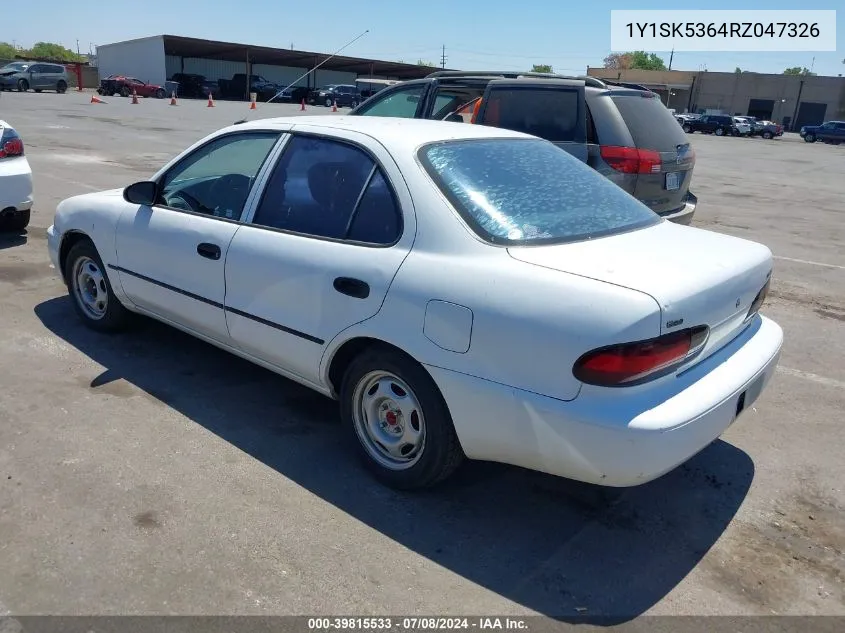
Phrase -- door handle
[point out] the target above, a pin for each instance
(352, 287)
(211, 251)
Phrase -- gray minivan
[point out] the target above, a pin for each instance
(621, 130)
(36, 76)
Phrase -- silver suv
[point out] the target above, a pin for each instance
(37, 76)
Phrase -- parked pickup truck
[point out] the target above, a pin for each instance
(235, 88)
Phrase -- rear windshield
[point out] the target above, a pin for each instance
(652, 126)
(550, 113)
(529, 191)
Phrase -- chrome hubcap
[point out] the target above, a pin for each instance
(89, 286)
(388, 420)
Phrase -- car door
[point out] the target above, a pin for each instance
(171, 256)
(552, 109)
(403, 100)
(36, 76)
(329, 232)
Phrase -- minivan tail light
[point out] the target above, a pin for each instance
(630, 363)
(630, 160)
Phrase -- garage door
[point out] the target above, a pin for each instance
(810, 113)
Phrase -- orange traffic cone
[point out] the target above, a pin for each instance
(302, 107)
(334, 105)
(134, 97)
(173, 98)
(252, 104)
(96, 99)
(210, 101)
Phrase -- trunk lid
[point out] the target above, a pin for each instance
(697, 277)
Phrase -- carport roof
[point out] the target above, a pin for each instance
(194, 47)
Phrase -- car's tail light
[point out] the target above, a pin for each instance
(758, 300)
(630, 160)
(630, 363)
(10, 145)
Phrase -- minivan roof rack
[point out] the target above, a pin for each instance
(510, 74)
(626, 84)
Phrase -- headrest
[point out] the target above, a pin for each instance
(335, 184)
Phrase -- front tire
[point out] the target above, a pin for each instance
(399, 421)
(328, 103)
(720, 131)
(810, 138)
(767, 135)
(23, 85)
(90, 290)
(160, 93)
(687, 129)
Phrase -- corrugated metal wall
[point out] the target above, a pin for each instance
(143, 59)
(322, 77)
(216, 69)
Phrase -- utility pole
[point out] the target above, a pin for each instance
(78, 54)
(812, 64)
(443, 58)
(671, 56)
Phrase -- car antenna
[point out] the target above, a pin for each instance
(349, 43)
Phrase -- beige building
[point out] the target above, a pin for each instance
(791, 100)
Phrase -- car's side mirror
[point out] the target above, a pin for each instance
(143, 193)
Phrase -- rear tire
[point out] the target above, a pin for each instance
(720, 131)
(688, 129)
(389, 400)
(90, 290)
(767, 135)
(125, 92)
(61, 87)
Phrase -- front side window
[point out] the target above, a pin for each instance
(216, 179)
(529, 191)
(331, 189)
(401, 103)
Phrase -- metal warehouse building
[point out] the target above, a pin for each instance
(788, 99)
(155, 59)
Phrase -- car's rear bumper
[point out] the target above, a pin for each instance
(613, 437)
(685, 213)
(15, 185)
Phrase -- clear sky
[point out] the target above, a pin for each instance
(485, 34)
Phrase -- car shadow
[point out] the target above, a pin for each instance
(10, 239)
(563, 549)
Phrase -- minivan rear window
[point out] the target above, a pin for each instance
(516, 191)
(550, 113)
(651, 124)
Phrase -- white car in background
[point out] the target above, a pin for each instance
(463, 290)
(743, 126)
(15, 181)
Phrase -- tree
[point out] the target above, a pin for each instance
(798, 70)
(738, 70)
(541, 68)
(49, 50)
(618, 61)
(7, 51)
(646, 61)
(639, 60)
(424, 63)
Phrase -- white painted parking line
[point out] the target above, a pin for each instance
(806, 261)
(822, 380)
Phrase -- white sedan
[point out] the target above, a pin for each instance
(463, 291)
(15, 181)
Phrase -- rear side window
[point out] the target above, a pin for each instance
(514, 191)
(551, 114)
(652, 126)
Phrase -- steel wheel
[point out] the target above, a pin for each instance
(89, 288)
(388, 420)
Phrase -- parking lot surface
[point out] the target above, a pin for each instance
(150, 473)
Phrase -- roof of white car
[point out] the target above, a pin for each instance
(397, 133)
